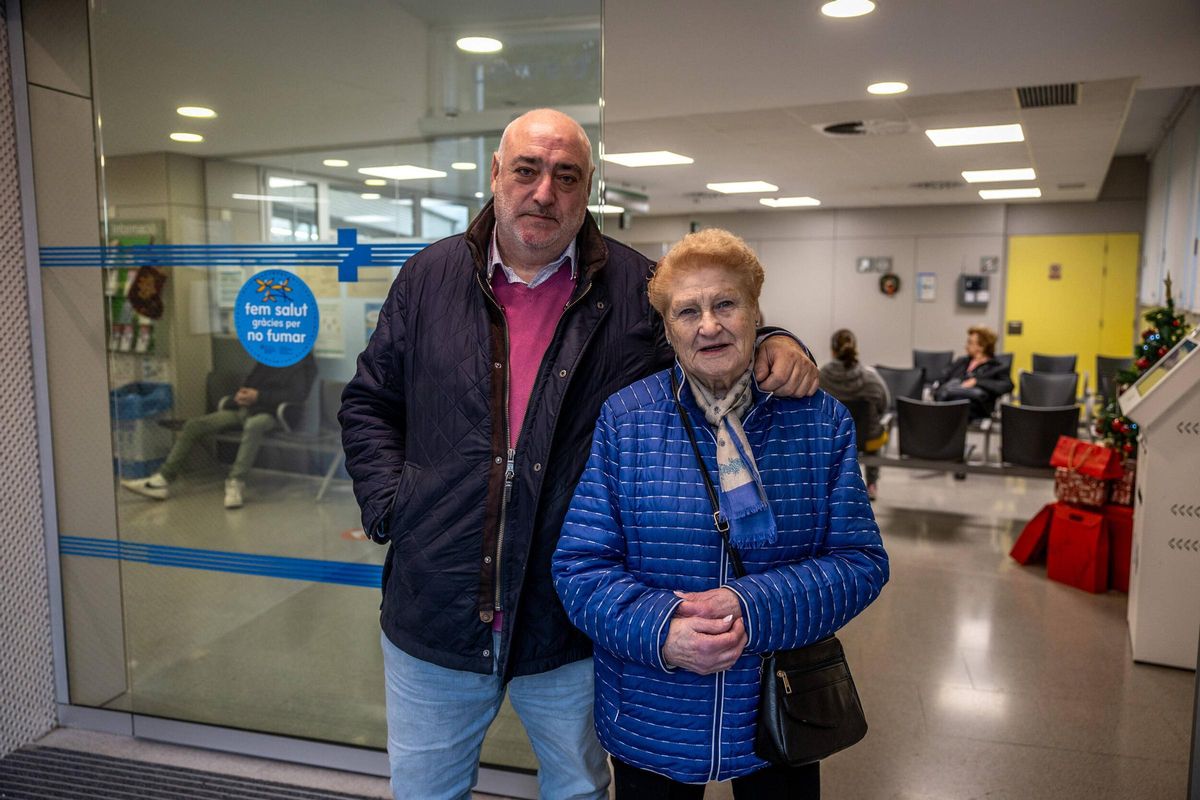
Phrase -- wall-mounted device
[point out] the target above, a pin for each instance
(973, 291)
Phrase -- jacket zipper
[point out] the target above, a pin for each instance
(510, 452)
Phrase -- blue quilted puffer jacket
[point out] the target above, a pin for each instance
(640, 526)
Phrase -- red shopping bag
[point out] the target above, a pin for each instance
(1031, 544)
(1078, 551)
(1082, 490)
(1085, 458)
(1120, 545)
(1121, 491)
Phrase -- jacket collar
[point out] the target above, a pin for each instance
(590, 244)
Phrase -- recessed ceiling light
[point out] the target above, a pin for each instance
(982, 134)
(995, 175)
(650, 158)
(739, 187)
(402, 172)
(187, 137)
(336, 162)
(789, 202)
(479, 44)
(847, 8)
(283, 183)
(888, 87)
(479, 195)
(369, 196)
(367, 219)
(1009, 194)
(199, 112)
(606, 209)
(375, 182)
(463, 165)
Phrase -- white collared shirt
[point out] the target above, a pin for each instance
(543, 274)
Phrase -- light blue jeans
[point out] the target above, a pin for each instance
(437, 719)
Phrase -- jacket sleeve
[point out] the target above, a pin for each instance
(956, 369)
(372, 415)
(619, 613)
(993, 378)
(803, 602)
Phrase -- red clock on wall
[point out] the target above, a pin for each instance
(889, 284)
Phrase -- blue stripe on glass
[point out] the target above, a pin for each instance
(161, 555)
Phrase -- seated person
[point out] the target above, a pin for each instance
(846, 379)
(977, 376)
(256, 400)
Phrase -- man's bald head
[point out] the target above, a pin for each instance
(541, 180)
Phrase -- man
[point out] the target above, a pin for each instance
(255, 404)
(466, 427)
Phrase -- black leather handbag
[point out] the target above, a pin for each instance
(808, 707)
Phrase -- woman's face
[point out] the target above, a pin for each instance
(711, 323)
(974, 348)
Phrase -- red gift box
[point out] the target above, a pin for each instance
(1120, 545)
(1031, 544)
(1078, 552)
(1121, 491)
(1074, 487)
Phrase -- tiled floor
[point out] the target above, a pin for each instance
(980, 678)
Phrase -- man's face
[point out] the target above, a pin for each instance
(541, 181)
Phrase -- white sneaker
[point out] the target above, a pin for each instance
(155, 486)
(233, 493)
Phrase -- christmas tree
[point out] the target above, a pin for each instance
(1166, 328)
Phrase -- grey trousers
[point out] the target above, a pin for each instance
(254, 428)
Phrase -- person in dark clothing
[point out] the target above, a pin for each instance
(847, 379)
(978, 376)
(256, 401)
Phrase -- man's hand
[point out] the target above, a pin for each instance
(969, 383)
(704, 646)
(780, 366)
(713, 604)
(246, 397)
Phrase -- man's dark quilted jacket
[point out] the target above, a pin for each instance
(422, 426)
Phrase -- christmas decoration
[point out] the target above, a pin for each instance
(1166, 329)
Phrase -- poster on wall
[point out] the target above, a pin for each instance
(331, 338)
(370, 318)
(926, 287)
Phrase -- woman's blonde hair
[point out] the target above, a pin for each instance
(710, 247)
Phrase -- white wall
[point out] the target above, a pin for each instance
(812, 287)
(1173, 217)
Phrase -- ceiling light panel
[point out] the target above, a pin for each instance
(336, 162)
(369, 196)
(649, 158)
(888, 87)
(375, 182)
(998, 175)
(187, 137)
(1010, 194)
(790, 202)
(847, 8)
(402, 172)
(275, 182)
(479, 44)
(742, 187)
(463, 166)
(197, 112)
(982, 134)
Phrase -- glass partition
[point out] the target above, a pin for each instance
(325, 132)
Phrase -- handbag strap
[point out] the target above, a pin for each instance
(719, 522)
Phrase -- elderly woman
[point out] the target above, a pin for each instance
(978, 376)
(641, 570)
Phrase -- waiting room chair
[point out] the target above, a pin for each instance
(1054, 364)
(1006, 359)
(933, 362)
(933, 431)
(902, 382)
(860, 412)
(1048, 389)
(1107, 368)
(1028, 434)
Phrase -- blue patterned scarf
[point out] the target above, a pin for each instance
(743, 499)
